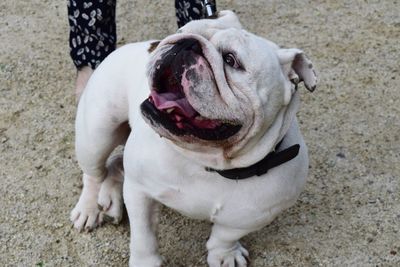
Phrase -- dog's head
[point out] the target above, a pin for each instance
(218, 89)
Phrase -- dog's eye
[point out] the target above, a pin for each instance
(230, 59)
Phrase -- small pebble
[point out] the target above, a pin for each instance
(341, 155)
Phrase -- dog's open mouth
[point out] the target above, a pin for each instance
(168, 105)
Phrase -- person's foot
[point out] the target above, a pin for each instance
(82, 78)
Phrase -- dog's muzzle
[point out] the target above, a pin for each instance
(168, 105)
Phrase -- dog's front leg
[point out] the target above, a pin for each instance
(98, 193)
(86, 213)
(142, 212)
(224, 248)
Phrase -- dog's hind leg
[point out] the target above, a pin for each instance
(101, 125)
(110, 196)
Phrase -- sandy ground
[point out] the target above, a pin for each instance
(349, 213)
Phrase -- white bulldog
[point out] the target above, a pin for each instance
(214, 136)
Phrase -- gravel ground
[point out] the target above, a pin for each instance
(349, 213)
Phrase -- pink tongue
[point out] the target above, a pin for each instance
(170, 100)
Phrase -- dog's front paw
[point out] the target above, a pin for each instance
(110, 195)
(237, 256)
(86, 214)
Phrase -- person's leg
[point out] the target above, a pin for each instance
(188, 10)
(92, 36)
(82, 77)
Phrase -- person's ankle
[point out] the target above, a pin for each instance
(82, 78)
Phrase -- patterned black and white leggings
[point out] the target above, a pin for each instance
(93, 30)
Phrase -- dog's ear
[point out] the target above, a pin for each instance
(298, 67)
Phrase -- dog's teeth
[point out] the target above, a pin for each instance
(170, 110)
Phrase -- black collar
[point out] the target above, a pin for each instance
(270, 161)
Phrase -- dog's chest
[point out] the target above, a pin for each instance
(181, 184)
(188, 188)
(195, 202)
(198, 194)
